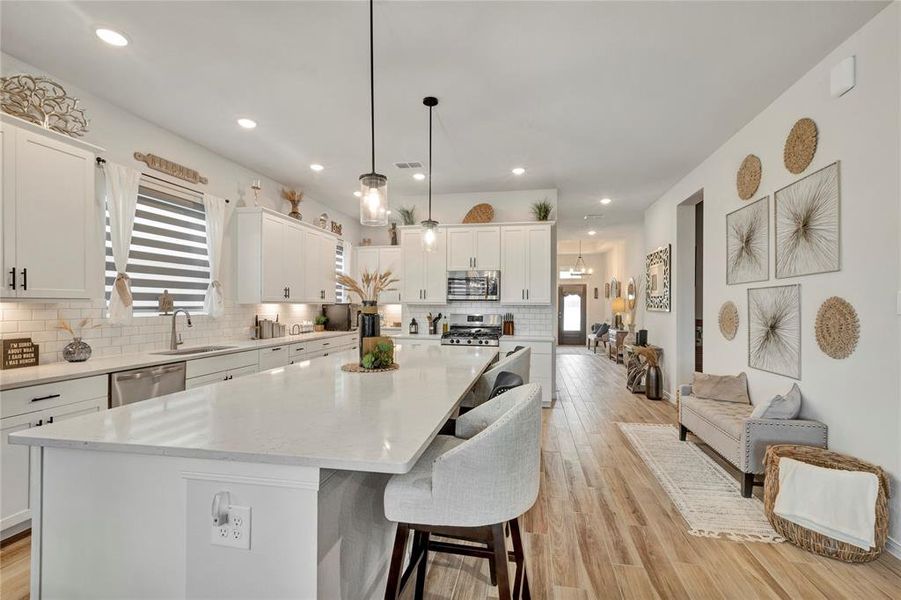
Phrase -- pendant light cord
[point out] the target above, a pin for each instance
(430, 163)
(372, 84)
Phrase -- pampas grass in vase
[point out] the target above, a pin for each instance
(77, 350)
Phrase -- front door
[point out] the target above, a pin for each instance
(571, 315)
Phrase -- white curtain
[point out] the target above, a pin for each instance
(121, 200)
(216, 218)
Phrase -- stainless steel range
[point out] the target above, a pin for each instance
(473, 330)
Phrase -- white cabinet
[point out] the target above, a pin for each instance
(474, 248)
(424, 273)
(541, 364)
(526, 264)
(34, 406)
(283, 260)
(272, 358)
(380, 259)
(51, 244)
(213, 369)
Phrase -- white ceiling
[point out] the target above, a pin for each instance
(595, 99)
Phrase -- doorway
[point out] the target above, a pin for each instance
(688, 288)
(571, 314)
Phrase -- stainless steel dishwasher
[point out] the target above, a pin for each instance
(127, 387)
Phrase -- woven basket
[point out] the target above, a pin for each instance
(480, 213)
(811, 540)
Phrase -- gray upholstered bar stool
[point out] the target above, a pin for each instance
(467, 487)
(518, 362)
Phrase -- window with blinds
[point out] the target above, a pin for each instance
(168, 252)
(340, 291)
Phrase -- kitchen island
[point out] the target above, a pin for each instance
(125, 495)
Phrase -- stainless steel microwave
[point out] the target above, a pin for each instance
(474, 285)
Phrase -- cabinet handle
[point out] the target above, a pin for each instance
(50, 397)
(527, 293)
(39, 423)
(522, 294)
(49, 419)
(326, 343)
(289, 291)
(24, 279)
(13, 273)
(276, 349)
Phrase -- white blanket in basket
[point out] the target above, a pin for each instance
(836, 503)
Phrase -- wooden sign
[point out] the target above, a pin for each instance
(170, 168)
(19, 353)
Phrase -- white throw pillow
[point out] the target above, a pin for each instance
(780, 407)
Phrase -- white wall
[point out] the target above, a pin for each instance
(121, 134)
(857, 397)
(448, 209)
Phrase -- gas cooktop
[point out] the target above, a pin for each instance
(473, 330)
(472, 338)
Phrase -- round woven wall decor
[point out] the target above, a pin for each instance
(837, 328)
(748, 178)
(480, 213)
(728, 320)
(800, 146)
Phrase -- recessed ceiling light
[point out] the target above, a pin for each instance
(247, 123)
(316, 167)
(592, 232)
(518, 171)
(113, 38)
(606, 200)
(419, 176)
(358, 193)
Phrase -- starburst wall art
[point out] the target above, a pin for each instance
(774, 329)
(807, 224)
(748, 243)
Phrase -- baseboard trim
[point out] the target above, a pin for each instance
(668, 397)
(893, 547)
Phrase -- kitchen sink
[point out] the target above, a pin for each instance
(194, 350)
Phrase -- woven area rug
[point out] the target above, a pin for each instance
(707, 496)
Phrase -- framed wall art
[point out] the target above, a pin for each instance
(807, 224)
(748, 243)
(657, 273)
(774, 330)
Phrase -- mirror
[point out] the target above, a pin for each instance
(631, 294)
(614, 288)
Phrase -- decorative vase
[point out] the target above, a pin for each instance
(369, 323)
(77, 351)
(653, 383)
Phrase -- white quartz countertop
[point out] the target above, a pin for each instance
(61, 371)
(310, 414)
(504, 338)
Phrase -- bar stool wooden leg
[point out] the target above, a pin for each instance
(421, 567)
(521, 583)
(397, 561)
(500, 561)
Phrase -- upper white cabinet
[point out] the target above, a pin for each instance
(526, 264)
(282, 260)
(424, 273)
(380, 259)
(473, 248)
(51, 247)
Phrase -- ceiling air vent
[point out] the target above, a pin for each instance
(408, 165)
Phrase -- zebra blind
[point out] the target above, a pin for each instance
(340, 291)
(168, 251)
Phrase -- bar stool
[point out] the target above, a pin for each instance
(518, 362)
(468, 487)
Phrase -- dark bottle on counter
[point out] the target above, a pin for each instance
(414, 327)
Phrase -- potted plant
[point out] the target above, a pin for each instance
(380, 357)
(542, 210)
(368, 289)
(319, 323)
(77, 350)
(407, 215)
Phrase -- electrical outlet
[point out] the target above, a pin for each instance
(235, 533)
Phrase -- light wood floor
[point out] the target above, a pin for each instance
(604, 528)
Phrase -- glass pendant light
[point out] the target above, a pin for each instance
(579, 270)
(430, 226)
(373, 186)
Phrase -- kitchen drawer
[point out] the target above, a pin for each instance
(214, 364)
(49, 395)
(210, 378)
(243, 371)
(272, 358)
(537, 347)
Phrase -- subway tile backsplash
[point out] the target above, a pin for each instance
(530, 320)
(38, 321)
